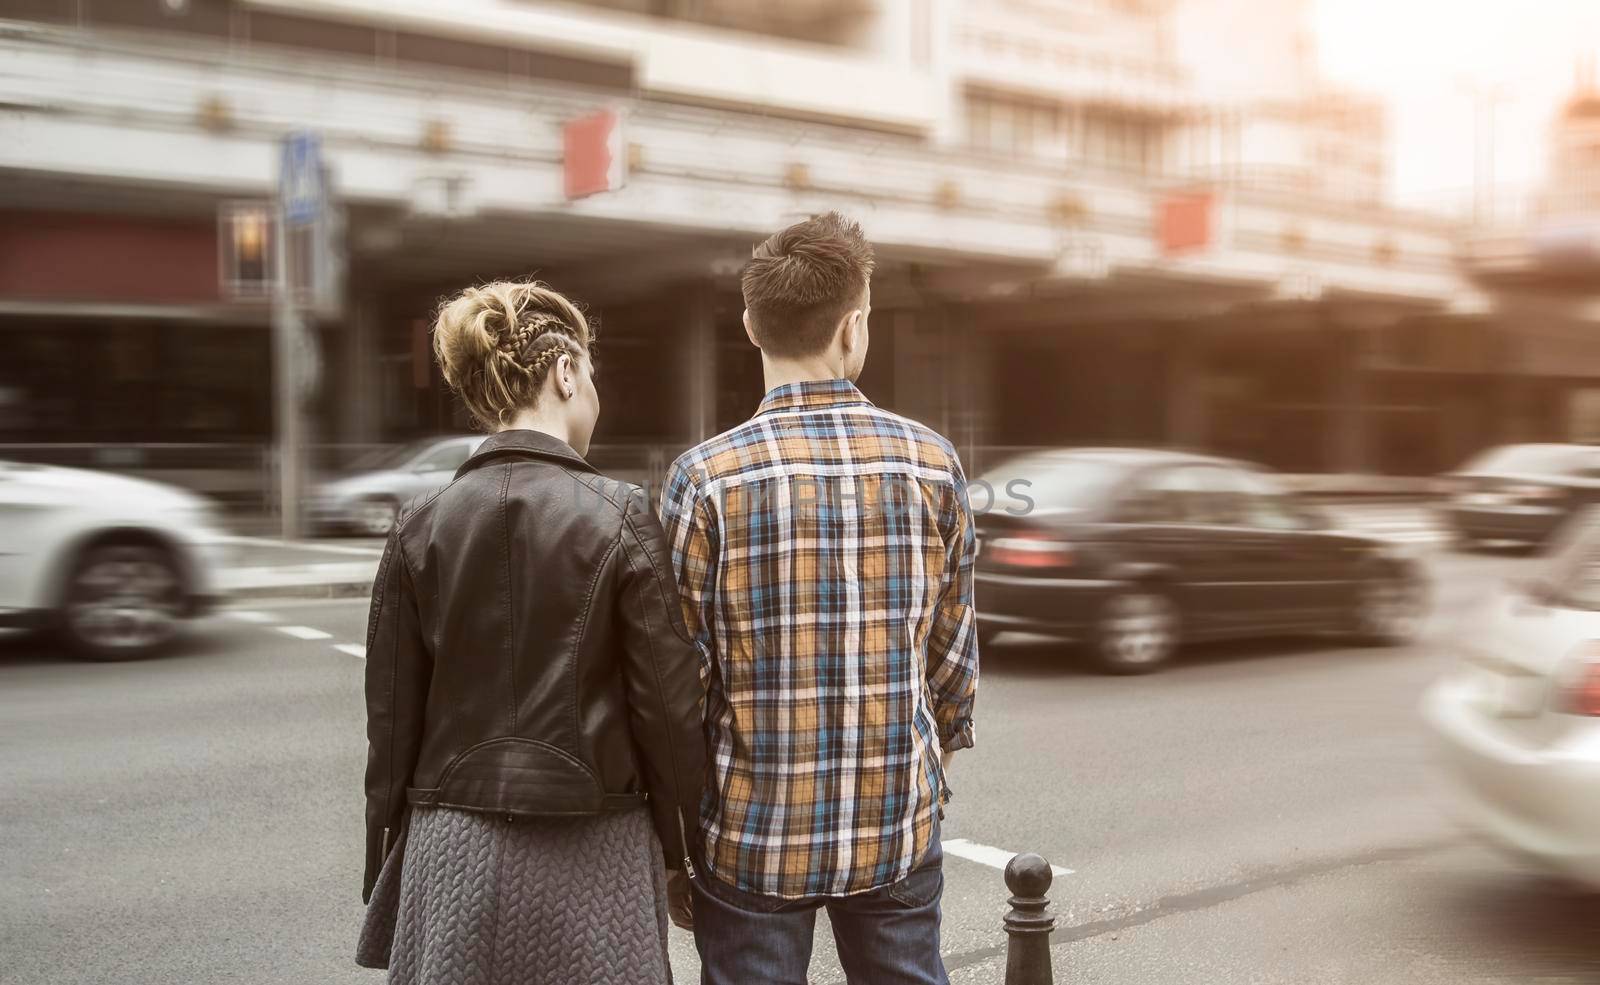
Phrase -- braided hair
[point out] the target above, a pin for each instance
(496, 343)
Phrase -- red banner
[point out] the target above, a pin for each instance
(595, 158)
(1184, 222)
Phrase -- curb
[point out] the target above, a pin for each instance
(324, 590)
(279, 592)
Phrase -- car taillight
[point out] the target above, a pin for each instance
(1580, 684)
(1030, 551)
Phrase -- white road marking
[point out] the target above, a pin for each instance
(269, 605)
(247, 615)
(354, 649)
(302, 545)
(305, 633)
(995, 858)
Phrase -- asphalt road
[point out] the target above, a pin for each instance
(1261, 813)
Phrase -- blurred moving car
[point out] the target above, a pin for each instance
(1519, 719)
(367, 498)
(1522, 493)
(111, 563)
(1133, 552)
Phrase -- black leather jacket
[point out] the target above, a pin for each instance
(527, 655)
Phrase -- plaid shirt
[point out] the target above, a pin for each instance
(824, 554)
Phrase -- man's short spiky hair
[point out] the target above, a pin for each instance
(801, 281)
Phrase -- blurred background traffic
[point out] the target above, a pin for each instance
(1285, 312)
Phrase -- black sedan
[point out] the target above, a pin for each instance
(1133, 552)
(1522, 493)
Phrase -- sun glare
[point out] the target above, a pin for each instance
(1442, 65)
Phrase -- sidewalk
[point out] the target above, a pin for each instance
(264, 567)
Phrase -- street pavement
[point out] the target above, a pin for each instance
(1261, 813)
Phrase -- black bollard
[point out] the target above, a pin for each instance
(1027, 924)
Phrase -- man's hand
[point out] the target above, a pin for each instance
(680, 900)
(946, 757)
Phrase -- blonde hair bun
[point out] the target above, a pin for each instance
(495, 344)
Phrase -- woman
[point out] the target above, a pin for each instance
(535, 750)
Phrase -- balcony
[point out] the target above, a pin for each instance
(834, 22)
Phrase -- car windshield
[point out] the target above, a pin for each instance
(1050, 482)
(391, 456)
(1572, 573)
(1534, 460)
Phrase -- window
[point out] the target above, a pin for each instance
(1054, 482)
(1200, 494)
(446, 457)
(1264, 503)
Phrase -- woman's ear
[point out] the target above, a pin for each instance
(563, 376)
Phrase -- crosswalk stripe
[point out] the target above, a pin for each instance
(995, 858)
(354, 649)
(247, 615)
(305, 633)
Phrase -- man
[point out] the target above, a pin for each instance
(824, 554)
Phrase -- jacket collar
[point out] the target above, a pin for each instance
(812, 395)
(524, 442)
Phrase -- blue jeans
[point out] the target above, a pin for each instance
(889, 936)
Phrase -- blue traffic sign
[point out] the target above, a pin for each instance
(300, 190)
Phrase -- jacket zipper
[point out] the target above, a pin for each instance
(683, 836)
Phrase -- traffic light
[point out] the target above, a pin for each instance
(246, 250)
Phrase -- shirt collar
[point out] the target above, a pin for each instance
(522, 441)
(812, 395)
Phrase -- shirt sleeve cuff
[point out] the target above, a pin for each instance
(957, 735)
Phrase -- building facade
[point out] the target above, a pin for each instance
(1080, 239)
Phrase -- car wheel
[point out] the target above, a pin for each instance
(123, 600)
(375, 517)
(1137, 631)
(1391, 604)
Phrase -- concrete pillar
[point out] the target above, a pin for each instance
(1347, 431)
(965, 382)
(918, 386)
(1187, 408)
(360, 393)
(699, 371)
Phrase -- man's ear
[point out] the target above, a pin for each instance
(749, 330)
(850, 332)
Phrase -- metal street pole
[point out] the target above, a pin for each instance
(286, 372)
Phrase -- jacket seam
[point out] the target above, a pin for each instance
(394, 673)
(407, 515)
(505, 597)
(577, 761)
(594, 482)
(655, 568)
(475, 809)
(583, 631)
(484, 459)
(655, 670)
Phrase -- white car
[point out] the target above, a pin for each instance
(1520, 718)
(112, 563)
(367, 499)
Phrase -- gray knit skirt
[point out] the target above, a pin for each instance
(483, 900)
